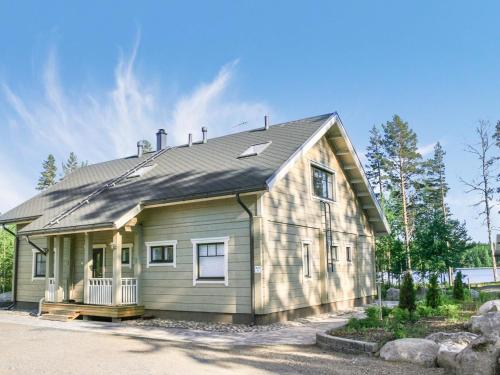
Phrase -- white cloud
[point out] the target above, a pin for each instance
(426, 149)
(107, 123)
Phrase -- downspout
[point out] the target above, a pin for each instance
(252, 277)
(16, 265)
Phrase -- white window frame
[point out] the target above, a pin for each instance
(33, 265)
(200, 241)
(130, 246)
(349, 245)
(102, 246)
(310, 259)
(151, 244)
(315, 164)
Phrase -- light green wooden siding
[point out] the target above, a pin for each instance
(291, 215)
(29, 290)
(169, 288)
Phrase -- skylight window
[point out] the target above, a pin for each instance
(255, 150)
(141, 171)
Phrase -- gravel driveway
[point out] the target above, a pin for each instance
(40, 350)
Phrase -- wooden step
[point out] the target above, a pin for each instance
(60, 317)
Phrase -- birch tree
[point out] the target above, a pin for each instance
(482, 186)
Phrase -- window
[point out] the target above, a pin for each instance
(161, 253)
(127, 255)
(38, 264)
(333, 255)
(210, 260)
(348, 253)
(306, 258)
(254, 150)
(322, 183)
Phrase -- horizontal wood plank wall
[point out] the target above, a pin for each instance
(168, 288)
(292, 216)
(29, 290)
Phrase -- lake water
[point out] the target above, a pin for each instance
(470, 275)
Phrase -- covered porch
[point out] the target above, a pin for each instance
(94, 274)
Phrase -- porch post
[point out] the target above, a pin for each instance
(48, 262)
(117, 268)
(138, 250)
(87, 262)
(58, 267)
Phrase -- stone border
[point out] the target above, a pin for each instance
(340, 344)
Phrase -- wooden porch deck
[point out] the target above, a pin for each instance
(114, 312)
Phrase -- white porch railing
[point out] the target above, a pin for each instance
(100, 291)
(129, 291)
(51, 293)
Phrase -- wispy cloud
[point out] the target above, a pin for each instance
(107, 123)
(426, 150)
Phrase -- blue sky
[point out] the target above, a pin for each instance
(93, 77)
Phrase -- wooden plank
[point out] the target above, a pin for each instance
(95, 310)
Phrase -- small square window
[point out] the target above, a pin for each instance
(161, 253)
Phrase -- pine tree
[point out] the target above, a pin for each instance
(435, 186)
(48, 174)
(458, 287)
(407, 293)
(401, 163)
(433, 296)
(374, 167)
(70, 165)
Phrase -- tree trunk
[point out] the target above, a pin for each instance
(405, 222)
(488, 213)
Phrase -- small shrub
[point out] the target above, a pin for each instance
(399, 315)
(451, 311)
(425, 311)
(372, 313)
(458, 287)
(433, 297)
(407, 293)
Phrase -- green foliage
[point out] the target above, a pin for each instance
(48, 174)
(407, 293)
(451, 311)
(476, 255)
(433, 297)
(72, 164)
(146, 146)
(6, 259)
(424, 311)
(458, 287)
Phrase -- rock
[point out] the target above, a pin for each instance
(487, 324)
(450, 344)
(490, 306)
(474, 294)
(418, 351)
(392, 294)
(455, 339)
(480, 357)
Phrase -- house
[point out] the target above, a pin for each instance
(256, 226)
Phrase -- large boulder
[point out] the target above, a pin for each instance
(418, 351)
(392, 294)
(486, 324)
(490, 306)
(480, 357)
(450, 344)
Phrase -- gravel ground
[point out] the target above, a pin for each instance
(227, 327)
(28, 350)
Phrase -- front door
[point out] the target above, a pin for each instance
(97, 263)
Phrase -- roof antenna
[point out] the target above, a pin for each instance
(266, 122)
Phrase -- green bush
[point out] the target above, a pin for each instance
(433, 297)
(458, 287)
(407, 293)
(425, 311)
(451, 311)
(399, 315)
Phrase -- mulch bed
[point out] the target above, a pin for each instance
(422, 328)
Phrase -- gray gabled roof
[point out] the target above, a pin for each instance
(180, 173)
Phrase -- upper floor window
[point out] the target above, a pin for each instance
(323, 183)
